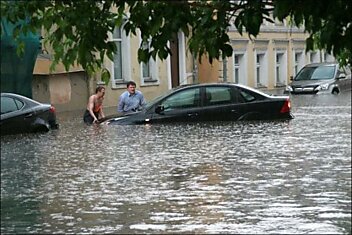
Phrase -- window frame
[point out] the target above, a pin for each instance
(261, 69)
(153, 78)
(280, 68)
(125, 58)
(298, 61)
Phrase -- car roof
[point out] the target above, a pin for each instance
(321, 64)
(221, 84)
(21, 97)
(208, 84)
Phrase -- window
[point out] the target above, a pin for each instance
(298, 62)
(146, 66)
(260, 70)
(148, 69)
(10, 105)
(246, 96)
(237, 68)
(314, 57)
(217, 95)
(121, 63)
(184, 99)
(328, 58)
(19, 104)
(280, 71)
(316, 73)
(118, 56)
(323, 72)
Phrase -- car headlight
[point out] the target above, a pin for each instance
(325, 86)
(322, 87)
(288, 88)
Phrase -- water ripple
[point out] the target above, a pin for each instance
(245, 177)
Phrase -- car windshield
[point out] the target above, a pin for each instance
(316, 73)
(152, 102)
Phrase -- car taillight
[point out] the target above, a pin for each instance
(52, 109)
(286, 107)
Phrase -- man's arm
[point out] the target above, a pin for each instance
(90, 108)
(102, 115)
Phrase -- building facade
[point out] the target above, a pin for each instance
(266, 62)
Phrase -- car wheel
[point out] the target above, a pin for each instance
(335, 91)
(41, 129)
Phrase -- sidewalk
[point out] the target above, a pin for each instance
(275, 91)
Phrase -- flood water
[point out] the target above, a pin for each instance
(245, 177)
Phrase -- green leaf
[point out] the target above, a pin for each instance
(142, 55)
(78, 29)
(20, 48)
(227, 50)
(105, 76)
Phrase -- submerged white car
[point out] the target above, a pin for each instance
(321, 78)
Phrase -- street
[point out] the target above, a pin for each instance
(229, 177)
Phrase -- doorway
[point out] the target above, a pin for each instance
(175, 79)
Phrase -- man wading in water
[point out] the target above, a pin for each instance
(94, 110)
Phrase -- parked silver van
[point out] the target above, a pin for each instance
(321, 78)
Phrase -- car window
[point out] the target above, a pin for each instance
(184, 99)
(217, 95)
(10, 105)
(346, 70)
(245, 95)
(316, 73)
(19, 104)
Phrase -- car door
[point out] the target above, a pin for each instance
(345, 83)
(255, 106)
(219, 104)
(181, 106)
(14, 116)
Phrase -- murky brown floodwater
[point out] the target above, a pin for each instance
(247, 177)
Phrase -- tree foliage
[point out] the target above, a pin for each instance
(79, 29)
(329, 24)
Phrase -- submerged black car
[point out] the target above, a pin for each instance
(20, 114)
(209, 102)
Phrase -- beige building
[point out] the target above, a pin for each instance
(266, 62)
(70, 90)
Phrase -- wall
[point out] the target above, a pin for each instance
(208, 72)
(66, 91)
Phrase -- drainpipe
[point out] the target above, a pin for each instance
(224, 70)
(195, 70)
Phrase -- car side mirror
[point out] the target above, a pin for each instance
(341, 76)
(291, 78)
(159, 109)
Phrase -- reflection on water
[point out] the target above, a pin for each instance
(246, 177)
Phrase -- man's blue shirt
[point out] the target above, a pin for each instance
(131, 103)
